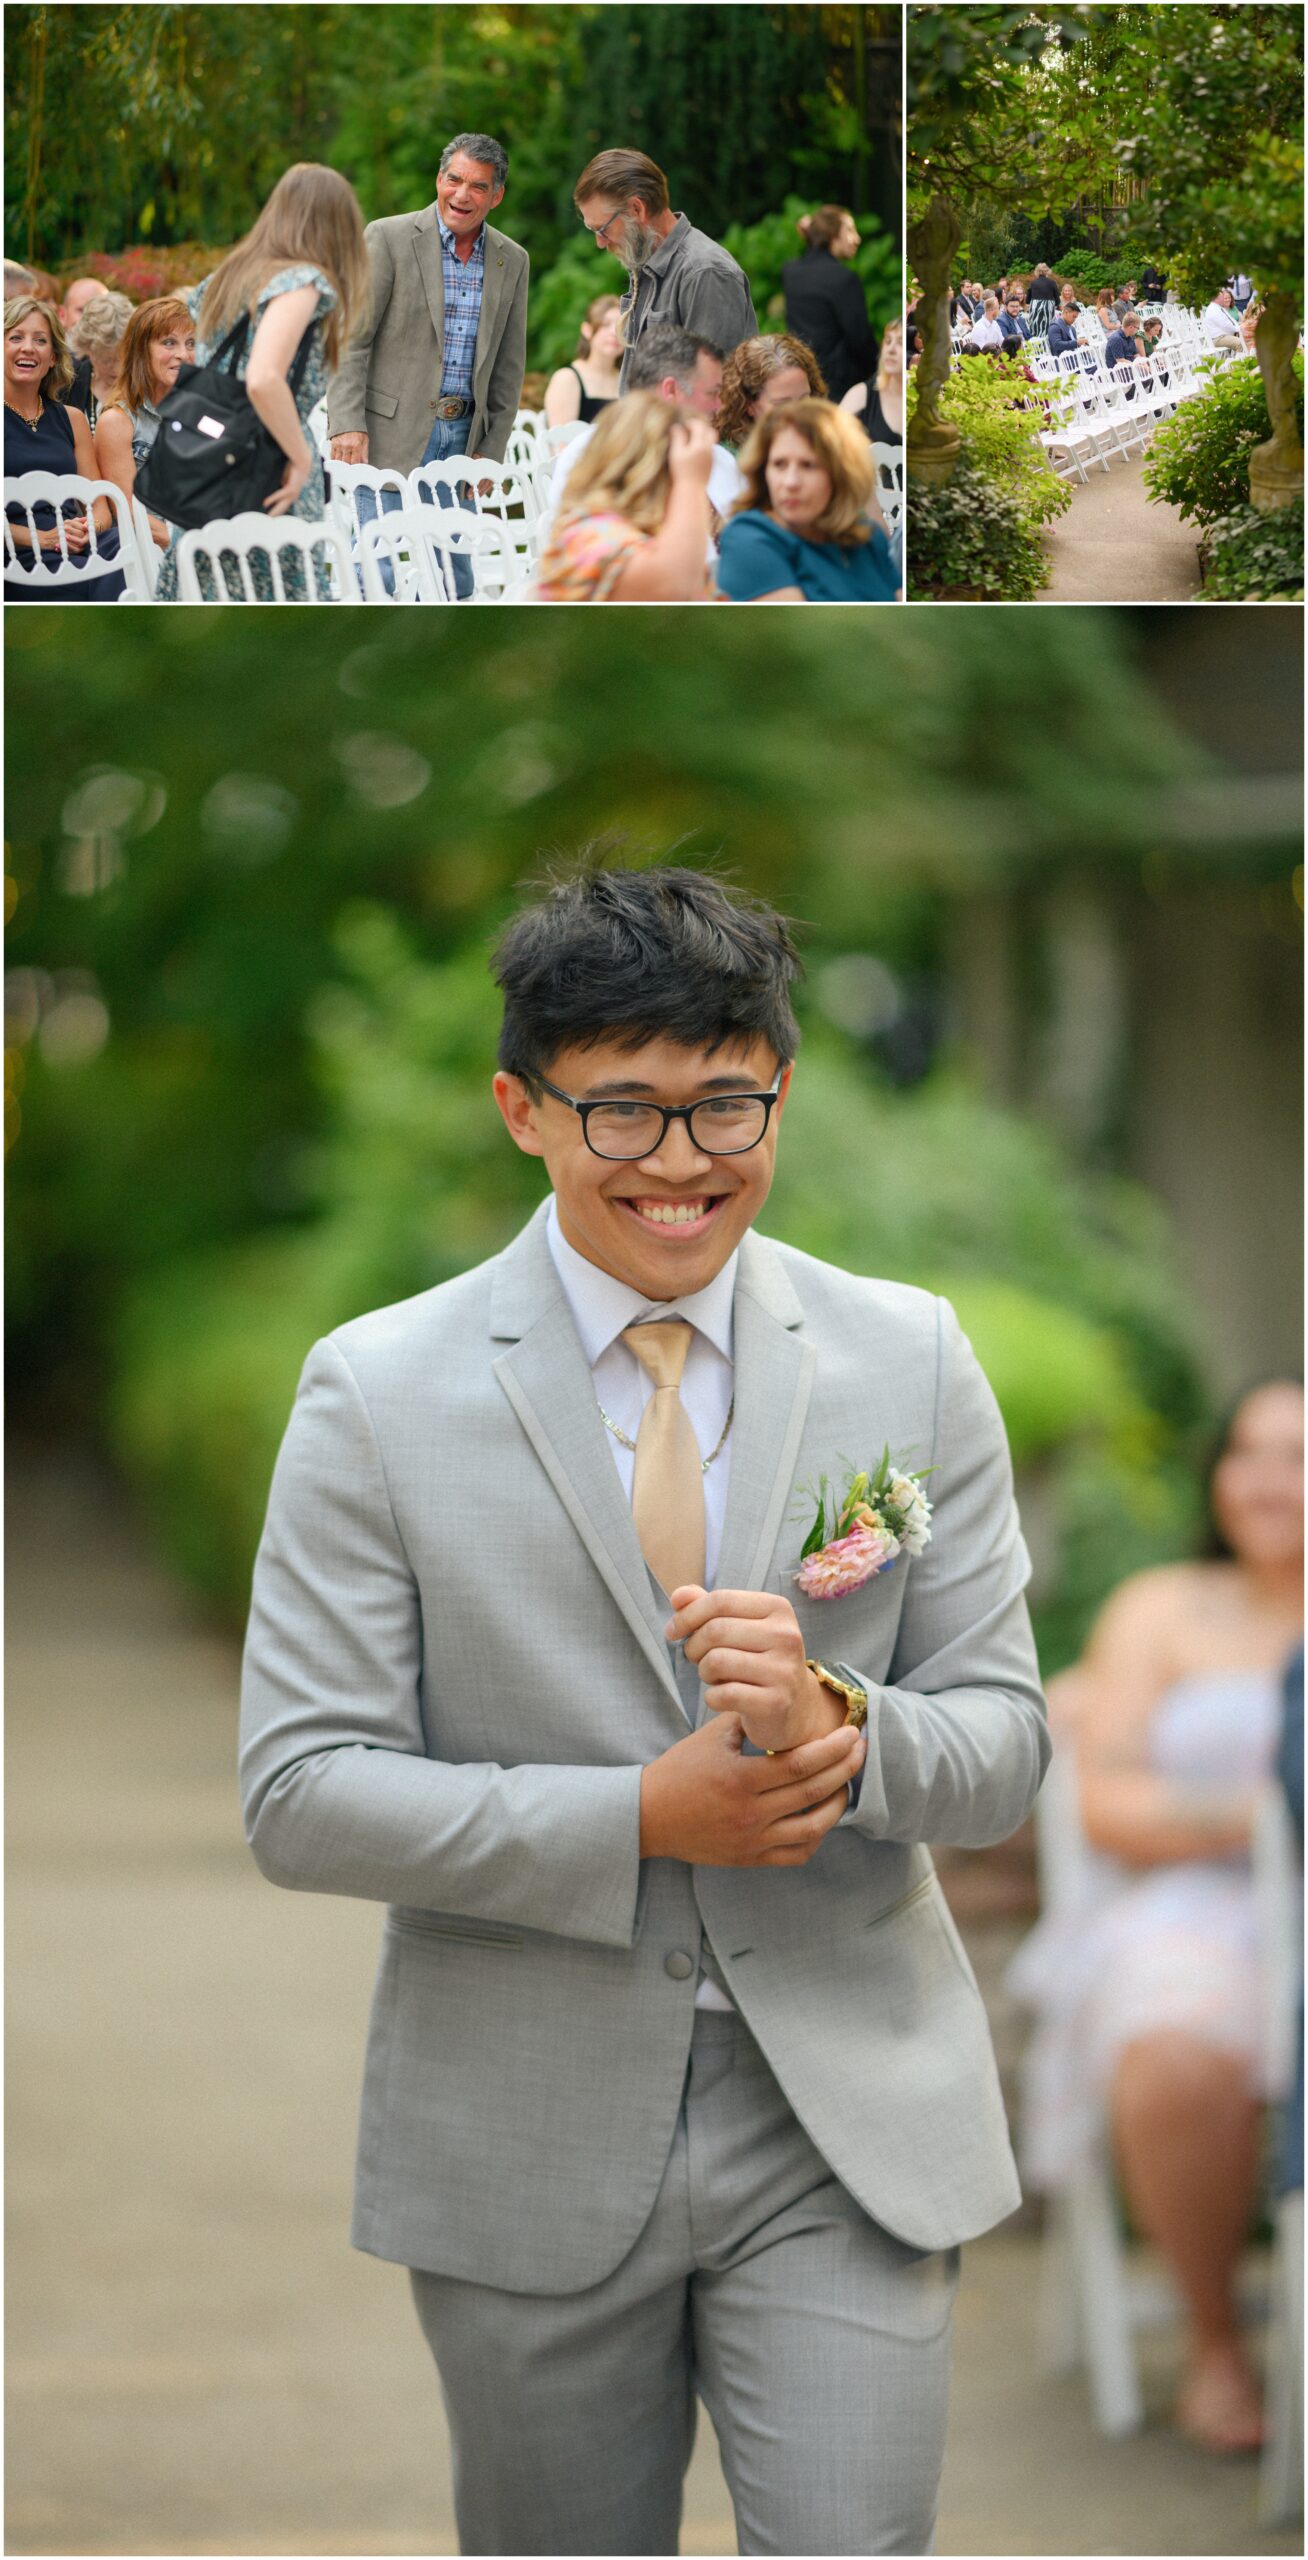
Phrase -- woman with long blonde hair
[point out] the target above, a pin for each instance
(633, 523)
(302, 268)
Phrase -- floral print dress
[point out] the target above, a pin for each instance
(311, 505)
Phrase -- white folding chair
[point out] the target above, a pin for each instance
(1278, 1899)
(549, 445)
(420, 545)
(306, 563)
(497, 492)
(889, 462)
(151, 557)
(33, 489)
(346, 481)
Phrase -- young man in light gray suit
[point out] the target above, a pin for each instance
(678, 2079)
(437, 368)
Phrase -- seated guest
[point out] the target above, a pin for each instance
(763, 374)
(985, 332)
(82, 290)
(42, 435)
(96, 337)
(1013, 321)
(1249, 319)
(158, 340)
(1151, 338)
(686, 373)
(17, 280)
(1064, 331)
(807, 530)
(1125, 299)
(1240, 290)
(880, 404)
(1219, 328)
(584, 387)
(826, 306)
(1124, 346)
(632, 525)
(1149, 1983)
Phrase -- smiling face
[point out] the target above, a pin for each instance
(29, 354)
(1257, 1487)
(167, 356)
(799, 490)
(465, 193)
(617, 1214)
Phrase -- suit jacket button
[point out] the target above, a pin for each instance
(679, 1965)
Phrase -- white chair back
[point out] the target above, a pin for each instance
(398, 563)
(299, 557)
(345, 480)
(33, 489)
(496, 492)
(889, 462)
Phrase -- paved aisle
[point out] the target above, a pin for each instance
(1114, 546)
(198, 2361)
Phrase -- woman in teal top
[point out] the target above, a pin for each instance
(806, 530)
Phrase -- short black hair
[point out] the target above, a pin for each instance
(630, 956)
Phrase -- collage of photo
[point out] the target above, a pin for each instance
(655, 1509)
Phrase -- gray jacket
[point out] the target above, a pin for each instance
(455, 1671)
(389, 380)
(690, 280)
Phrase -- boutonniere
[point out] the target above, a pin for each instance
(860, 1532)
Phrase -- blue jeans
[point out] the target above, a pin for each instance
(448, 435)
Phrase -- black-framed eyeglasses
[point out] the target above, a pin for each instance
(721, 1124)
(598, 234)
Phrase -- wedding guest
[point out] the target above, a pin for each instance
(1153, 286)
(17, 280)
(581, 389)
(632, 526)
(826, 305)
(806, 530)
(1249, 319)
(407, 389)
(95, 338)
(686, 373)
(1124, 347)
(880, 404)
(158, 340)
(985, 332)
(42, 435)
(1240, 290)
(762, 374)
(1065, 334)
(1125, 299)
(301, 270)
(1014, 323)
(677, 273)
(1149, 1998)
(1042, 287)
(1218, 326)
(83, 289)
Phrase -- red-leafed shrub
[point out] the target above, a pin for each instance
(142, 272)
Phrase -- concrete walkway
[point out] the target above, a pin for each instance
(1116, 546)
(197, 2360)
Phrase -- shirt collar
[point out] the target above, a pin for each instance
(447, 239)
(602, 1306)
(678, 233)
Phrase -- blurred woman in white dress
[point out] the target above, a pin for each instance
(1149, 1996)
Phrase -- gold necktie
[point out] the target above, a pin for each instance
(667, 1499)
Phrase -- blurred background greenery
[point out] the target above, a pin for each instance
(142, 138)
(1045, 871)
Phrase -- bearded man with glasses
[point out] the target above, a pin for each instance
(678, 2082)
(677, 273)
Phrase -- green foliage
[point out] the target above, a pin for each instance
(976, 533)
(1061, 1279)
(1199, 459)
(999, 415)
(1249, 556)
(971, 132)
(1082, 267)
(1216, 139)
(763, 247)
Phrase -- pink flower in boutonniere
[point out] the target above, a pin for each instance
(876, 1519)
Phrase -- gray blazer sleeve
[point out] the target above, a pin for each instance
(346, 412)
(957, 1739)
(338, 1790)
(505, 387)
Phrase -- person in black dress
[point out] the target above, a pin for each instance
(880, 404)
(825, 304)
(581, 389)
(42, 435)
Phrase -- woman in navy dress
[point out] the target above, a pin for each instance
(42, 435)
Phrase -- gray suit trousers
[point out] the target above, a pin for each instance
(818, 2343)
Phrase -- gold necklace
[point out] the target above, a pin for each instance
(704, 1464)
(30, 423)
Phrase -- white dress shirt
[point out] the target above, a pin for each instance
(602, 1308)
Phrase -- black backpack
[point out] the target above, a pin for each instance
(213, 456)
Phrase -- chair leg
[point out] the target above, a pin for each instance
(1105, 2312)
(1058, 2334)
(1280, 2483)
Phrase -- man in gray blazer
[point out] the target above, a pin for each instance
(678, 2079)
(677, 273)
(437, 367)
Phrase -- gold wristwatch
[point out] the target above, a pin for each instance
(843, 1683)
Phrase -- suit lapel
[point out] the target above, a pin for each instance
(492, 289)
(545, 1375)
(427, 250)
(774, 1380)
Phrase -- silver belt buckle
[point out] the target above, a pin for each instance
(451, 406)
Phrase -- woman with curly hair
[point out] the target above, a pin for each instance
(762, 374)
(807, 530)
(632, 525)
(95, 337)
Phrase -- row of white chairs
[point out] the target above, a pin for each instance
(1094, 417)
(47, 572)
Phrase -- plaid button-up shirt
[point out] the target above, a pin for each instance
(463, 286)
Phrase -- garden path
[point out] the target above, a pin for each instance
(1117, 546)
(197, 2360)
